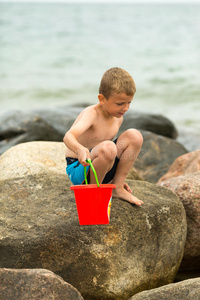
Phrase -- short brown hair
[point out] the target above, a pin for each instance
(117, 80)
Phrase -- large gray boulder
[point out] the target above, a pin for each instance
(156, 156)
(51, 124)
(149, 122)
(141, 248)
(185, 290)
(18, 127)
(36, 284)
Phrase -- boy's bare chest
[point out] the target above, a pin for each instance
(102, 131)
(99, 132)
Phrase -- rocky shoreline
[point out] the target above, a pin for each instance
(45, 254)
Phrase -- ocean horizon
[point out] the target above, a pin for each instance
(54, 54)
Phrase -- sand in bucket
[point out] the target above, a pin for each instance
(93, 201)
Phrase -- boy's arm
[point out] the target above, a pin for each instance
(70, 138)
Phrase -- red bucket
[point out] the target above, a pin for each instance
(93, 201)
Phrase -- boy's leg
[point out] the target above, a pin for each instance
(103, 157)
(128, 148)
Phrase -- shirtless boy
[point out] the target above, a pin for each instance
(91, 136)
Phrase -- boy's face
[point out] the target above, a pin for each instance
(117, 104)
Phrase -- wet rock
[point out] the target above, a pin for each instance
(185, 290)
(156, 156)
(36, 284)
(18, 127)
(132, 119)
(149, 122)
(187, 187)
(51, 125)
(141, 248)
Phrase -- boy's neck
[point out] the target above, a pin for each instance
(105, 113)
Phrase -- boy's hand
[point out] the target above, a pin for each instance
(83, 154)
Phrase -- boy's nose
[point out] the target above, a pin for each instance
(126, 107)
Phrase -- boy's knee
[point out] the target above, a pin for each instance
(108, 150)
(135, 137)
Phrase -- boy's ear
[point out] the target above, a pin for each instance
(101, 98)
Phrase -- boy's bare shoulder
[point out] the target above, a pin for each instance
(88, 112)
(91, 109)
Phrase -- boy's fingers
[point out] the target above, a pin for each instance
(84, 163)
(87, 162)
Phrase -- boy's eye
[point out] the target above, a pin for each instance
(120, 104)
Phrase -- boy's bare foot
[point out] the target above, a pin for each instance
(123, 193)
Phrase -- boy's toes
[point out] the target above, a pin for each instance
(137, 201)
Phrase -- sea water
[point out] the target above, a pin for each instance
(53, 54)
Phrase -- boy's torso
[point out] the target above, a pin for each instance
(101, 130)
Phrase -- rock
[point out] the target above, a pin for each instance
(61, 118)
(187, 187)
(156, 156)
(51, 125)
(33, 158)
(133, 175)
(132, 119)
(149, 122)
(35, 284)
(19, 127)
(185, 290)
(184, 164)
(141, 248)
(51, 156)
(185, 275)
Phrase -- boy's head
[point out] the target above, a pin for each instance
(116, 81)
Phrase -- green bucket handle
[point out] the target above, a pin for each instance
(95, 174)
